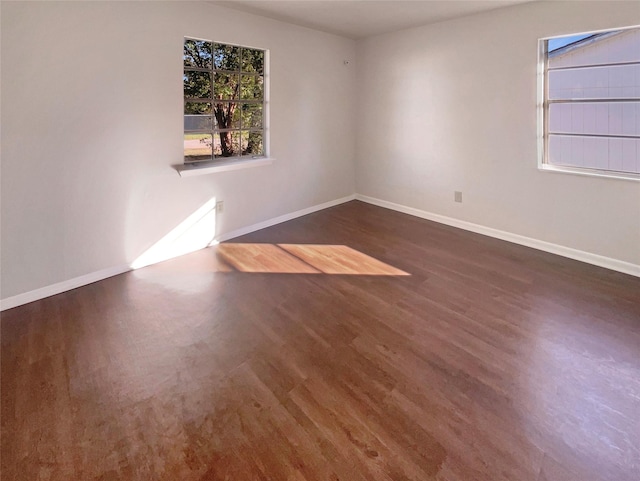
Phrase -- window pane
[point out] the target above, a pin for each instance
(226, 57)
(614, 154)
(252, 60)
(197, 108)
(197, 53)
(606, 82)
(252, 116)
(197, 147)
(226, 144)
(252, 144)
(227, 115)
(197, 122)
(197, 85)
(615, 46)
(252, 87)
(596, 118)
(624, 155)
(226, 86)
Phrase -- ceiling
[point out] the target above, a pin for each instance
(364, 18)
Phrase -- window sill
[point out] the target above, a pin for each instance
(589, 172)
(189, 170)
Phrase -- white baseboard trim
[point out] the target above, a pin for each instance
(589, 258)
(283, 218)
(53, 289)
(59, 287)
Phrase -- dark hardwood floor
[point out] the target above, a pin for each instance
(267, 359)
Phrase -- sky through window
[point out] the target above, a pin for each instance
(556, 43)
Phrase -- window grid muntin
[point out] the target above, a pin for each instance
(261, 73)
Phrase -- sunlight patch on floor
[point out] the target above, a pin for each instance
(303, 259)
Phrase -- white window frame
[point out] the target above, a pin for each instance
(543, 114)
(222, 164)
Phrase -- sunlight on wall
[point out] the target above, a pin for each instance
(195, 232)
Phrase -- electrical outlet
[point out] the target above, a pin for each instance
(457, 196)
(220, 206)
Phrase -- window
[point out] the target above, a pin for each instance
(224, 102)
(591, 103)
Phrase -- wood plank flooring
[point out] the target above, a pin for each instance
(269, 359)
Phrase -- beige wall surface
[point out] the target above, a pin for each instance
(452, 107)
(92, 124)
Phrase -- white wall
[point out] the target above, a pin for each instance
(452, 106)
(92, 123)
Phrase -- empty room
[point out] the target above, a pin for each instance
(320, 240)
